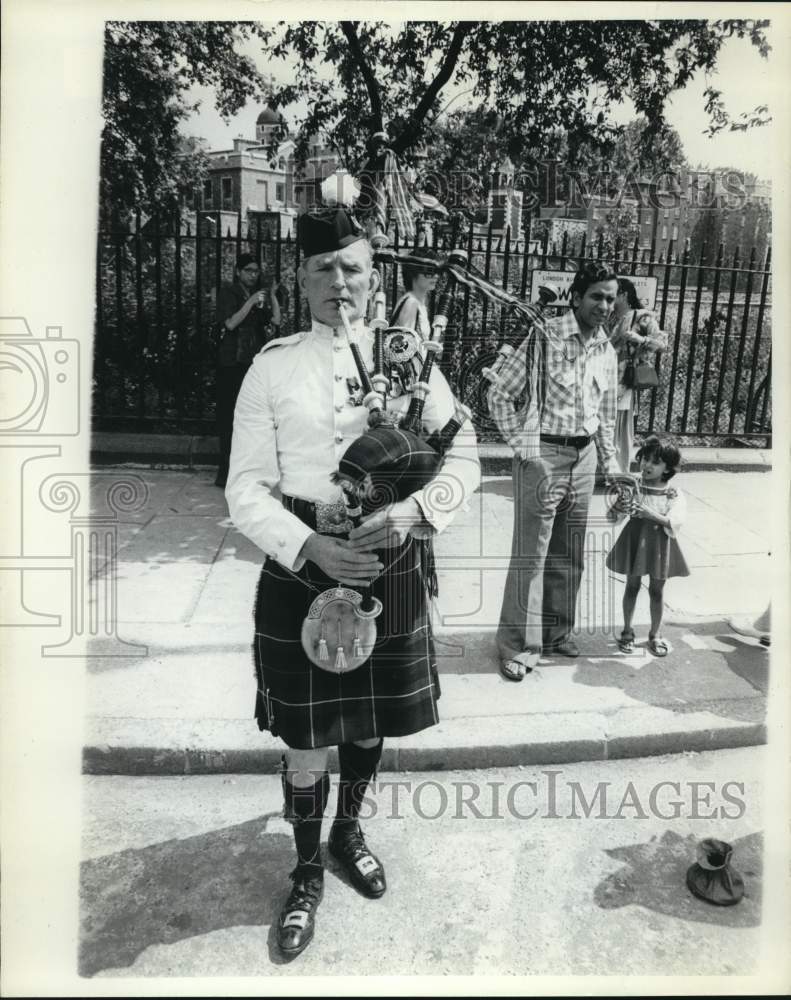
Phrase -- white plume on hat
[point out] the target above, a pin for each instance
(340, 189)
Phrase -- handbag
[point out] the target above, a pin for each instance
(639, 376)
(644, 377)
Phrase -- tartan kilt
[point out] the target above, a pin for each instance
(394, 693)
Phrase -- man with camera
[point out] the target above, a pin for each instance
(247, 316)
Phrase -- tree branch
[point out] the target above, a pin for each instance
(349, 29)
(410, 133)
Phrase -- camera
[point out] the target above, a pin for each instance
(39, 381)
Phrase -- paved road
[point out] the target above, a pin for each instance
(185, 876)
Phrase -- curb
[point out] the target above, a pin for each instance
(452, 745)
(178, 451)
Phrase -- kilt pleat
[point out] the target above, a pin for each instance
(394, 693)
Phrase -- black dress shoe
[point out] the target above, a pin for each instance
(566, 647)
(363, 868)
(295, 926)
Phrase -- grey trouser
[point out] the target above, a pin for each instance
(547, 554)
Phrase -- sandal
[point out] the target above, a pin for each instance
(514, 670)
(626, 641)
(658, 646)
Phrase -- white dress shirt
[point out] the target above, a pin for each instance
(293, 421)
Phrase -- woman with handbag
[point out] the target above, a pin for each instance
(636, 337)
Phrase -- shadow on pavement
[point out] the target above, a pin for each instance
(687, 679)
(178, 889)
(654, 877)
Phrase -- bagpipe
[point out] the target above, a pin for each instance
(394, 458)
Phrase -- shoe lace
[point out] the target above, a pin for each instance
(352, 843)
(305, 893)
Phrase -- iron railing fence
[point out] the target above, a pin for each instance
(156, 333)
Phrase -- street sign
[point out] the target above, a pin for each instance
(645, 285)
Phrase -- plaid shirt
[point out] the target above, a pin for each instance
(570, 385)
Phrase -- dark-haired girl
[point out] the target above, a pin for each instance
(648, 544)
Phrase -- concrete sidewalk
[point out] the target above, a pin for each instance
(182, 701)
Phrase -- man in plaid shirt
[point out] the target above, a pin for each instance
(568, 373)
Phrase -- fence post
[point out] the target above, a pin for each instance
(758, 331)
(297, 248)
(726, 338)
(679, 317)
(179, 318)
(100, 337)
(218, 259)
(710, 339)
(466, 316)
(635, 250)
(693, 340)
(506, 262)
(486, 270)
(158, 313)
(198, 364)
(278, 246)
(767, 389)
(140, 318)
(742, 339)
(662, 316)
(523, 280)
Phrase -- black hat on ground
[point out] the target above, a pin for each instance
(326, 232)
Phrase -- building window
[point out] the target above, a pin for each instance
(667, 214)
(664, 232)
(207, 194)
(280, 192)
(675, 232)
(227, 192)
(281, 163)
(677, 212)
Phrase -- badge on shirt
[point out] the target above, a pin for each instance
(355, 391)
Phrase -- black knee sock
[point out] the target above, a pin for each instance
(357, 767)
(304, 808)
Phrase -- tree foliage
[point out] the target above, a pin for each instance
(149, 68)
(539, 78)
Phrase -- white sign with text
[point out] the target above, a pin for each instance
(645, 285)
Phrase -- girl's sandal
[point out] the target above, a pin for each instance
(658, 646)
(626, 641)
